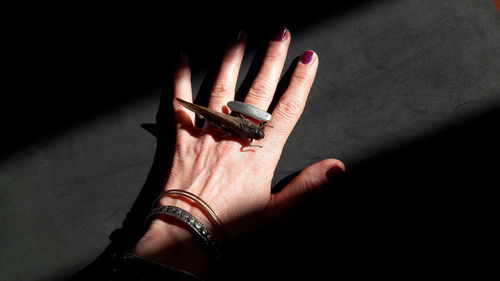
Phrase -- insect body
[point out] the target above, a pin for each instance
(237, 126)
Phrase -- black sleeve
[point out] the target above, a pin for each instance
(121, 266)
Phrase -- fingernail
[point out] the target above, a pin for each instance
(334, 173)
(307, 57)
(280, 34)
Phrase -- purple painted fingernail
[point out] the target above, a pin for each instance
(334, 173)
(307, 57)
(280, 34)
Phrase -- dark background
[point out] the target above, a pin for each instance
(407, 95)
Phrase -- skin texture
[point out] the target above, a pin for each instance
(235, 182)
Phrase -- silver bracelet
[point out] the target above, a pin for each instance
(213, 215)
(194, 224)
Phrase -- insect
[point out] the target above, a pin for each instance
(237, 126)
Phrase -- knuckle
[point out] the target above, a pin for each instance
(300, 78)
(261, 89)
(273, 55)
(232, 57)
(181, 73)
(178, 75)
(309, 183)
(289, 108)
(221, 88)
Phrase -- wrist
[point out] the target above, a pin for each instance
(169, 242)
(185, 233)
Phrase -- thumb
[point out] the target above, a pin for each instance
(306, 184)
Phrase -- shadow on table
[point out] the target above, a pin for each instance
(64, 66)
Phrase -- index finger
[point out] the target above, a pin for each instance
(291, 105)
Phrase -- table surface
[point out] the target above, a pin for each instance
(407, 95)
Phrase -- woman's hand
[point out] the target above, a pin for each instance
(235, 182)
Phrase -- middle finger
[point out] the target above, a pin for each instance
(263, 88)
